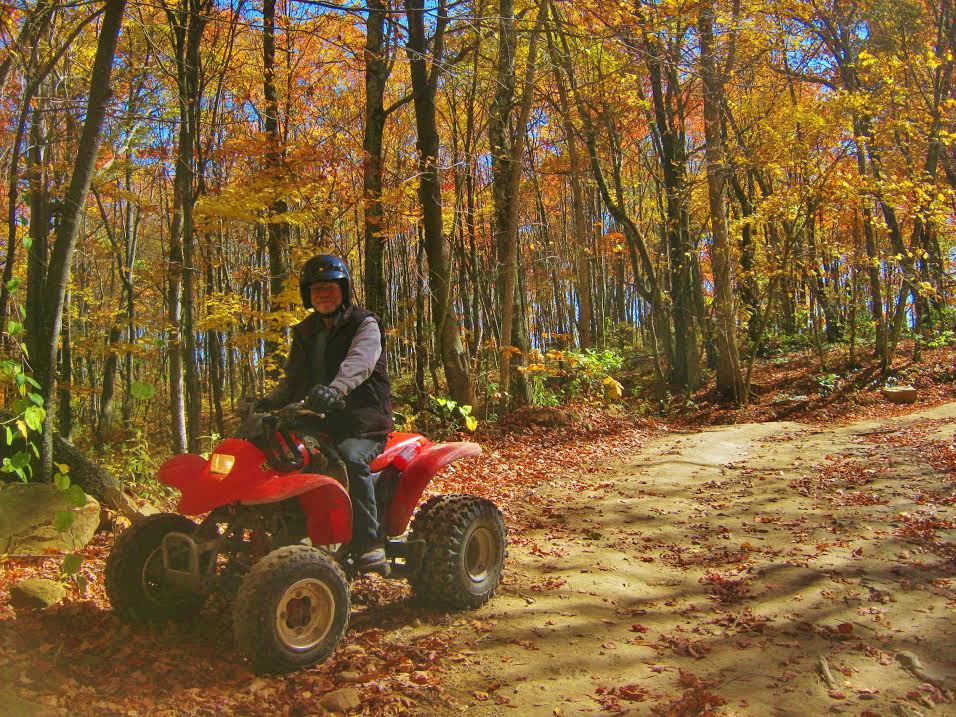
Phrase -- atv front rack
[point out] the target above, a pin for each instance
(179, 548)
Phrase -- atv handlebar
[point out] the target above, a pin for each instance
(278, 444)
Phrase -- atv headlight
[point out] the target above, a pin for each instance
(221, 464)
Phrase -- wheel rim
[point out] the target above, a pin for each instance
(480, 554)
(305, 614)
(152, 577)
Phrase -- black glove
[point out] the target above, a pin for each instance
(288, 415)
(261, 405)
(322, 399)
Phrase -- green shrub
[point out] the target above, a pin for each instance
(558, 375)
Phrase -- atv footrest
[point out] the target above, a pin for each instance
(410, 552)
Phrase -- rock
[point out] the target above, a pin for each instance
(27, 515)
(257, 685)
(343, 700)
(548, 416)
(900, 394)
(34, 593)
(350, 676)
(13, 706)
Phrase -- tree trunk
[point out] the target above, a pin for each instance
(187, 24)
(64, 407)
(429, 191)
(500, 130)
(729, 379)
(277, 230)
(673, 157)
(61, 259)
(377, 70)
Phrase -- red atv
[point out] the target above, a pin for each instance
(277, 526)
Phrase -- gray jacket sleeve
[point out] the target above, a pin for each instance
(360, 361)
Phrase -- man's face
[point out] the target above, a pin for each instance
(326, 296)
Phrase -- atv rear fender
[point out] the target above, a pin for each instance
(420, 470)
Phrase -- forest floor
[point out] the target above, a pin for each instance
(657, 567)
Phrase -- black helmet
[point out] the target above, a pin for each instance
(324, 267)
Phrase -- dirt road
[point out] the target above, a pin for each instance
(768, 569)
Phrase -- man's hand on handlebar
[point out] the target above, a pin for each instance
(323, 399)
(289, 414)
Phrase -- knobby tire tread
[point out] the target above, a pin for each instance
(253, 625)
(442, 522)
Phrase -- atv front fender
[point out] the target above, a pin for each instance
(253, 482)
(328, 513)
(416, 476)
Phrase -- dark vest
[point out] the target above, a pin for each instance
(368, 407)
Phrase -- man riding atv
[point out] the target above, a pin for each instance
(337, 365)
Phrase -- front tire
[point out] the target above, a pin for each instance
(292, 609)
(465, 547)
(135, 577)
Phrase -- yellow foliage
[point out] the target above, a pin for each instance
(612, 388)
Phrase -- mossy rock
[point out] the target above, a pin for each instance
(36, 593)
(27, 520)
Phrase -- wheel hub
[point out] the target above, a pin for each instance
(479, 554)
(305, 614)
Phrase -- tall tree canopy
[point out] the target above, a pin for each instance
(510, 181)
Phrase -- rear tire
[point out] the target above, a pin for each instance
(135, 581)
(465, 548)
(292, 609)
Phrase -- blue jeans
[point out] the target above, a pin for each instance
(357, 453)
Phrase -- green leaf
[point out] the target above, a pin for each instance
(27, 242)
(33, 382)
(471, 423)
(72, 563)
(75, 496)
(20, 460)
(142, 391)
(61, 481)
(14, 327)
(9, 436)
(13, 285)
(36, 398)
(34, 416)
(464, 410)
(63, 520)
(81, 583)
